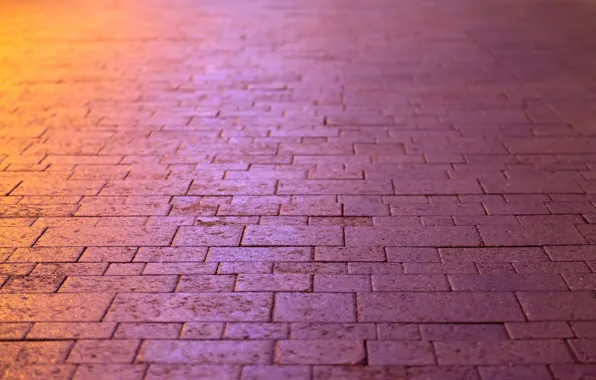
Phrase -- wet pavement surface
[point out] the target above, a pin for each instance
(302, 190)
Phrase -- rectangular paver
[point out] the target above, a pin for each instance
(412, 236)
(181, 307)
(107, 236)
(53, 307)
(437, 307)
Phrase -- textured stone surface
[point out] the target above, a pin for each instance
(206, 352)
(182, 307)
(437, 307)
(298, 189)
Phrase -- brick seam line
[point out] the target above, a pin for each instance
(137, 352)
(38, 237)
(9, 192)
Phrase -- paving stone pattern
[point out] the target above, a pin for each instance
(298, 189)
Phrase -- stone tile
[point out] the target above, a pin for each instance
(400, 353)
(206, 352)
(69, 269)
(584, 349)
(53, 307)
(260, 254)
(322, 307)
(573, 371)
(34, 353)
(71, 330)
(120, 371)
(342, 283)
(292, 236)
(232, 187)
(375, 268)
(530, 185)
(438, 268)
(584, 329)
(32, 284)
(125, 269)
(57, 187)
(398, 331)
(273, 283)
(410, 283)
(288, 372)
(349, 254)
(502, 353)
(566, 268)
(145, 187)
(437, 187)
(193, 371)
(170, 254)
(359, 372)
(119, 284)
(186, 268)
(260, 331)
(202, 330)
(539, 330)
(311, 268)
(558, 306)
(40, 371)
(527, 372)
(13, 331)
(443, 373)
(208, 236)
(256, 267)
(43, 255)
(411, 236)
(496, 254)
(319, 352)
(580, 281)
(107, 236)
(412, 254)
(108, 254)
(206, 283)
(321, 331)
(463, 332)
(437, 307)
(148, 331)
(19, 236)
(16, 269)
(121, 351)
(571, 253)
(530, 235)
(506, 282)
(183, 307)
(320, 187)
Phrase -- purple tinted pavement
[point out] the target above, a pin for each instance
(298, 189)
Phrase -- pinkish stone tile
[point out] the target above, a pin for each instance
(183, 307)
(400, 353)
(292, 236)
(502, 353)
(437, 307)
(53, 307)
(206, 352)
(370, 372)
(321, 331)
(411, 236)
(320, 352)
(287, 372)
(321, 307)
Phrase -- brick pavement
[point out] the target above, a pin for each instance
(298, 189)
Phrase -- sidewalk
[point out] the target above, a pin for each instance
(298, 189)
